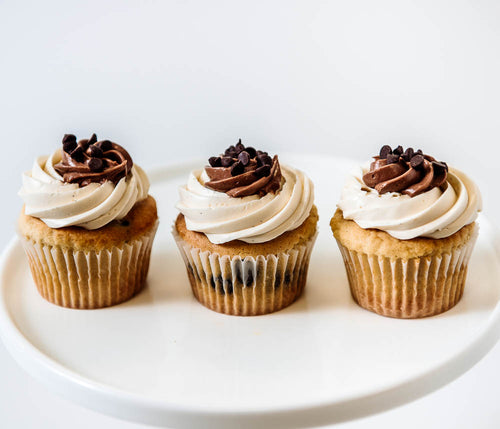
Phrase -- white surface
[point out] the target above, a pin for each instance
(162, 358)
(337, 77)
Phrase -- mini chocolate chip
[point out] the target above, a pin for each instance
(105, 145)
(239, 147)
(398, 150)
(244, 157)
(408, 155)
(446, 165)
(392, 158)
(251, 151)
(384, 151)
(77, 154)
(93, 139)
(249, 279)
(69, 141)
(263, 171)
(230, 151)
(227, 161)
(220, 282)
(277, 280)
(96, 164)
(417, 161)
(264, 160)
(237, 168)
(69, 145)
(125, 222)
(95, 151)
(261, 152)
(239, 277)
(439, 167)
(419, 152)
(215, 161)
(69, 137)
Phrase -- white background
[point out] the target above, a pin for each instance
(174, 80)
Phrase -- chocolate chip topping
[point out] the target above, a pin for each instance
(392, 158)
(408, 155)
(243, 171)
(264, 160)
(69, 143)
(398, 150)
(95, 151)
(215, 161)
(104, 145)
(96, 164)
(406, 171)
(386, 150)
(417, 161)
(77, 154)
(251, 152)
(92, 139)
(237, 168)
(227, 161)
(69, 137)
(90, 161)
(244, 158)
(263, 171)
(439, 166)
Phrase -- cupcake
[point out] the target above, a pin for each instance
(405, 226)
(245, 230)
(87, 224)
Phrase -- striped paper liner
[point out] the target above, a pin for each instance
(408, 288)
(247, 286)
(90, 279)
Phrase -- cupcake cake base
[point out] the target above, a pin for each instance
(84, 269)
(237, 279)
(413, 278)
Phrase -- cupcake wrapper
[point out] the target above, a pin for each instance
(413, 288)
(90, 279)
(247, 286)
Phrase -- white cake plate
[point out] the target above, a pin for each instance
(164, 359)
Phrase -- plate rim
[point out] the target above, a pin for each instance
(131, 406)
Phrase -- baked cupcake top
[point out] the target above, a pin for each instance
(410, 194)
(245, 194)
(86, 183)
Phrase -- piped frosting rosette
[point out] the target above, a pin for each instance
(410, 196)
(254, 218)
(251, 219)
(87, 184)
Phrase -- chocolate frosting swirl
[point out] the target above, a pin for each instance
(244, 171)
(92, 161)
(407, 172)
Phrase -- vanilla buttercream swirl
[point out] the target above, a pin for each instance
(436, 213)
(59, 204)
(251, 219)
